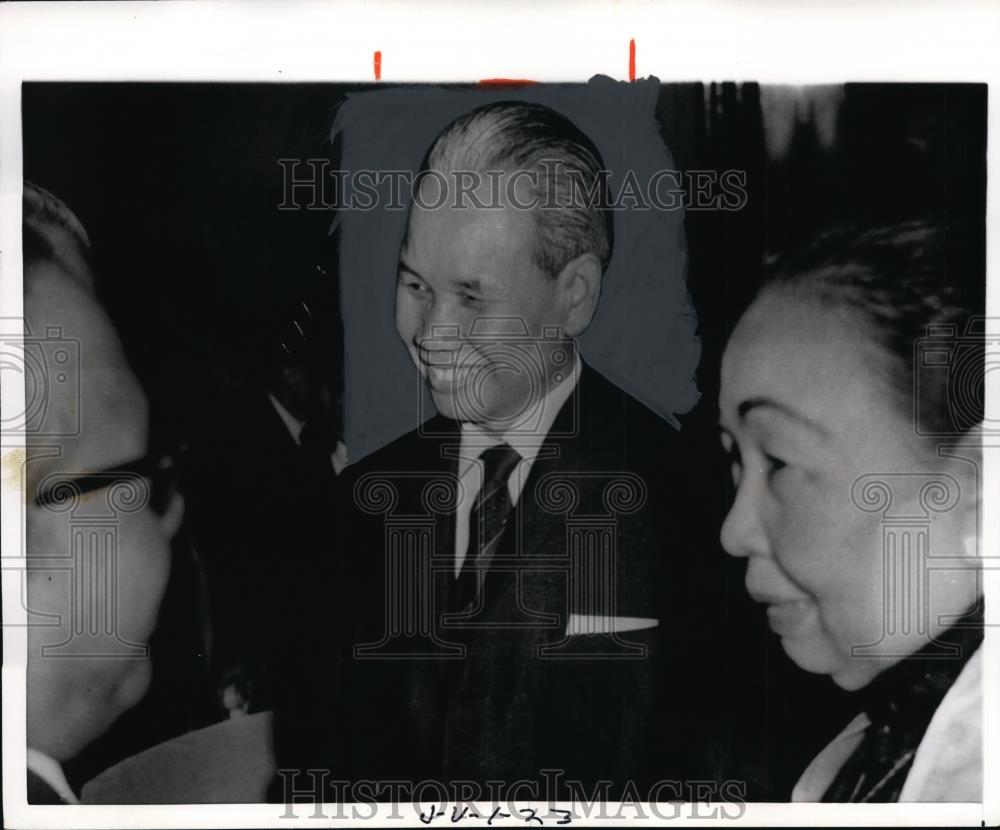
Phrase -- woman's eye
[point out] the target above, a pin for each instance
(735, 460)
(736, 470)
(774, 464)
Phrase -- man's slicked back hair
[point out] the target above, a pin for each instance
(570, 203)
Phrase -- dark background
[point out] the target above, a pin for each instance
(178, 187)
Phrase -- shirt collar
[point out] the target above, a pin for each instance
(293, 424)
(51, 772)
(526, 442)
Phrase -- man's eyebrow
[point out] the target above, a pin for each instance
(751, 404)
(473, 284)
(403, 266)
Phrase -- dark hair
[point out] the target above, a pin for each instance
(905, 282)
(50, 231)
(572, 185)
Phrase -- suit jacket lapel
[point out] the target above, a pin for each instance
(534, 529)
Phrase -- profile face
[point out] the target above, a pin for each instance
(805, 413)
(461, 266)
(133, 548)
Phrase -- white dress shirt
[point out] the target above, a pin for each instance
(292, 424)
(51, 772)
(476, 440)
(948, 765)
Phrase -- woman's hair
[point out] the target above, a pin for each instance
(909, 287)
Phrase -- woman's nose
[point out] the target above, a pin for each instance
(742, 533)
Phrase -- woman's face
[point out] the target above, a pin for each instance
(805, 413)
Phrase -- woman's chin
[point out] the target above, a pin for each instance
(814, 656)
(817, 658)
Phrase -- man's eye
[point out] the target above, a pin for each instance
(410, 284)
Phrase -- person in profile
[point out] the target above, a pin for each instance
(99, 510)
(857, 504)
(525, 629)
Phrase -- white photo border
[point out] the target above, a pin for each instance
(779, 42)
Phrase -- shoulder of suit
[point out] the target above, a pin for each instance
(424, 442)
(601, 399)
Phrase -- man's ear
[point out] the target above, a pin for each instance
(579, 284)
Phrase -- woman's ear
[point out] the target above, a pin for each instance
(965, 464)
(579, 284)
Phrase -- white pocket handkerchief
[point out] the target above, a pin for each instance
(604, 624)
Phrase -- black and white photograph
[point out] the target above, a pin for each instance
(394, 446)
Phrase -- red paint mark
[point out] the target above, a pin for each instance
(631, 59)
(378, 64)
(506, 82)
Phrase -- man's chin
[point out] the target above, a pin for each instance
(445, 404)
(491, 408)
(453, 408)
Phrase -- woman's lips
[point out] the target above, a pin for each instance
(788, 617)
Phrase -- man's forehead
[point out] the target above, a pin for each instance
(94, 411)
(470, 186)
(477, 256)
(478, 230)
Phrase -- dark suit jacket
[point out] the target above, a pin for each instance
(601, 528)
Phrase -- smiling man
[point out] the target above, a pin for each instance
(486, 274)
(513, 623)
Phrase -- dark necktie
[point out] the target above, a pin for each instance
(877, 769)
(486, 523)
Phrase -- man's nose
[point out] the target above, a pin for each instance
(441, 329)
(438, 344)
(742, 533)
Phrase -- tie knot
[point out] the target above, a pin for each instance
(498, 463)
